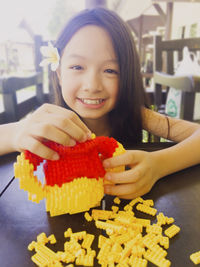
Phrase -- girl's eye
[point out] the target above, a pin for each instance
(76, 67)
(111, 71)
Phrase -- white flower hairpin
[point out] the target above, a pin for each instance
(51, 56)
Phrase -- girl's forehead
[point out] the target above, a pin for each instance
(90, 39)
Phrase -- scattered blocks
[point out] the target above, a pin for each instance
(126, 244)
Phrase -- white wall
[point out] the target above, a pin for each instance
(185, 14)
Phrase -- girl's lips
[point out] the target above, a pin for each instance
(92, 103)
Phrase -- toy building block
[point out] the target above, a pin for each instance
(78, 235)
(125, 220)
(116, 200)
(137, 262)
(42, 238)
(68, 232)
(164, 241)
(153, 246)
(137, 251)
(104, 252)
(87, 216)
(74, 183)
(31, 246)
(148, 202)
(45, 256)
(136, 200)
(162, 219)
(86, 260)
(121, 239)
(172, 231)
(155, 258)
(87, 241)
(102, 214)
(52, 239)
(115, 209)
(146, 209)
(128, 207)
(195, 257)
(154, 229)
(106, 225)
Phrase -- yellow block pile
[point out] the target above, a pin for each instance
(128, 240)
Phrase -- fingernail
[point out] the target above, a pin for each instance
(55, 156)
(72, 142)
(89, 135)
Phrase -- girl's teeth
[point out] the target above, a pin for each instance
(92, 101)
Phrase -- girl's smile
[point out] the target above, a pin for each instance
(92, 103)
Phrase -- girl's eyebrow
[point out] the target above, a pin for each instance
(82, 57)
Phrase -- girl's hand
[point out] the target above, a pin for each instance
(136, 181)
(49, 122)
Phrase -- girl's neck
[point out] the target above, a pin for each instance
(98, 126)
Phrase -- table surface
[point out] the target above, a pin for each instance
(177, 195)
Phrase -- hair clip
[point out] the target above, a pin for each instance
(51, 56)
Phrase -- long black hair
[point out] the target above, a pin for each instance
(125, 119)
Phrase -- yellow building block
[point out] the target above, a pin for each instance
(87, 241)
(146, 209)
(87, 216)
(195, 257)
(156, 258)
(52, 239)
(102, 214)
(172, 231)
(117, 200)
(137, 262)
(136, 200)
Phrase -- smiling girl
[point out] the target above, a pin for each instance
(98, 88)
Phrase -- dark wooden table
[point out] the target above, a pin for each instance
(176, 195)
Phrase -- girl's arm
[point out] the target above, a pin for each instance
(186, 134)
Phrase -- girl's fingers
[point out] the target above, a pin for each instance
(128, 158)
(39, 149)
(66, 114)
(129, 176)
(71, 129)
(50, 132)
(127, 190)
(120, 190)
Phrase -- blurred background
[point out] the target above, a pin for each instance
(26, 25)
(20, 20)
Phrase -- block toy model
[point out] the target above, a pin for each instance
(74, 183)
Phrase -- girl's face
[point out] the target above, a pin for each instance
(89, 73)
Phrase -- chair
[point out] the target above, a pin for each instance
(9, 87)
(189, 85)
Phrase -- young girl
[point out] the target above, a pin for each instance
(99, 89)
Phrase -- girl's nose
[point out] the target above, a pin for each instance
(92, 82)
